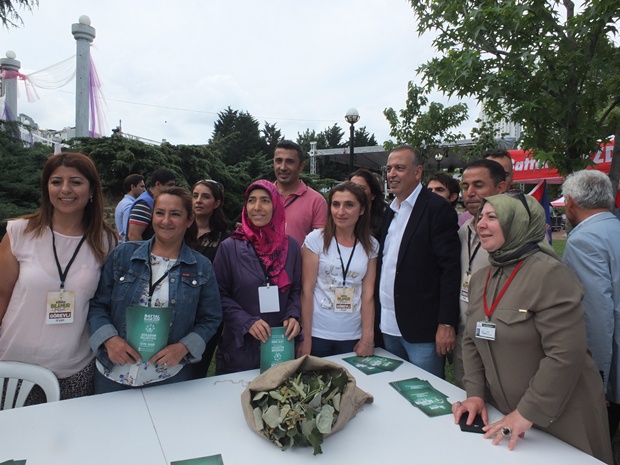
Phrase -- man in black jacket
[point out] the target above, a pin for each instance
(418, 270)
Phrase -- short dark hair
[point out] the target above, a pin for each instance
(496, 171)
(497, 153)
(162, 176)
(406, 147)
(451, 184)
(132, 180)
(290, 145)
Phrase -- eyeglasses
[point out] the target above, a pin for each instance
(215, 183)
(518, 194)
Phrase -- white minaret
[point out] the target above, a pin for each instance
(84, 34)
(9, 84)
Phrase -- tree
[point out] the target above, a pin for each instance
(331, 137)
(20, 191)
(424, 130)
(547, 69)
(271, 135)
(8, 12)
(237, 135)
(362, 138)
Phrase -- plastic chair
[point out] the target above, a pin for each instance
(11, 373)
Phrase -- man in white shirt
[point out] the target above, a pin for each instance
(418, 268)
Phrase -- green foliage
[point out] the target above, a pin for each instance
(20, 191)
(237, 136)
(362, 138)
(551, 71)
(8, 12)
(483, 137)
(301, 410)
(424, 130)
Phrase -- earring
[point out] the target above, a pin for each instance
(91, 199)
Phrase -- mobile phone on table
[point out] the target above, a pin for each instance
(475, 427)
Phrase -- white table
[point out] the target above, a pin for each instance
(198, 418)
(204, 417)
(96, 430)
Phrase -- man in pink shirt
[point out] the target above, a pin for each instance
(305, 208)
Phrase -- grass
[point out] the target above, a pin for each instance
(559, 245)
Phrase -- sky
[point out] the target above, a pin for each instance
(167, 68)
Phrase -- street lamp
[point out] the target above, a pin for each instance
(352, 117)
(438, 157)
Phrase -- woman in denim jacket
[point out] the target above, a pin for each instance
(161, 273)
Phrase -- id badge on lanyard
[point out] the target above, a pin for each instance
(344, 300)
(60, 307)
(268, 299)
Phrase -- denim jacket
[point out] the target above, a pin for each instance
(193, 296)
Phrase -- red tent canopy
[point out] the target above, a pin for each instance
(527, 171)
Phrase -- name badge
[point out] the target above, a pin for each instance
(268, 299)
(465, 287)
(60, 307)
(485, 330)
(344, 300)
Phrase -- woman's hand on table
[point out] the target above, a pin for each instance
(471, 406)
(170, 355)
(120, 352)
(260, 330)
(292, 328)
(512, 427)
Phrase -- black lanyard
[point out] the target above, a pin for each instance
(471, 257)
(63, 274)
(153, 285)
(345, 270)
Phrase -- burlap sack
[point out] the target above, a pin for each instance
(352, 400)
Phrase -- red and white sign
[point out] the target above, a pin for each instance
(527, 170)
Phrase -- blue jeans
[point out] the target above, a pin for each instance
(423, 355)
(103, 384)
(327, 347)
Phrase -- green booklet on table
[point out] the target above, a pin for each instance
(210, 460)
(277, 349)
(424, 396)
(148, 328)
(14, 462)
(373, 364)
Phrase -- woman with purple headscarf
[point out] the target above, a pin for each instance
(258, 260)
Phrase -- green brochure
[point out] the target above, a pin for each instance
(14, 462)
(277, 349)
(210, 460)
(424, 396)
(148, 328)
(373, 364)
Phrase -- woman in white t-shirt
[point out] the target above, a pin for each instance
(338, 276)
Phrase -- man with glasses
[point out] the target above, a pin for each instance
(139, 227)
(481, 178)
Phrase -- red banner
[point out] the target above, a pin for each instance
(528, 171)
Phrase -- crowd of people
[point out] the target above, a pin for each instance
(535, 337)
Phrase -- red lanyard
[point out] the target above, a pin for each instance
(488, 311)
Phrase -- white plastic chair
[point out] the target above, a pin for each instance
(29, 375)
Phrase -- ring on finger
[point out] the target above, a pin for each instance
(506, 431)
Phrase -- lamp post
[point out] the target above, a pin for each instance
(438, 157)
(352, 117)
